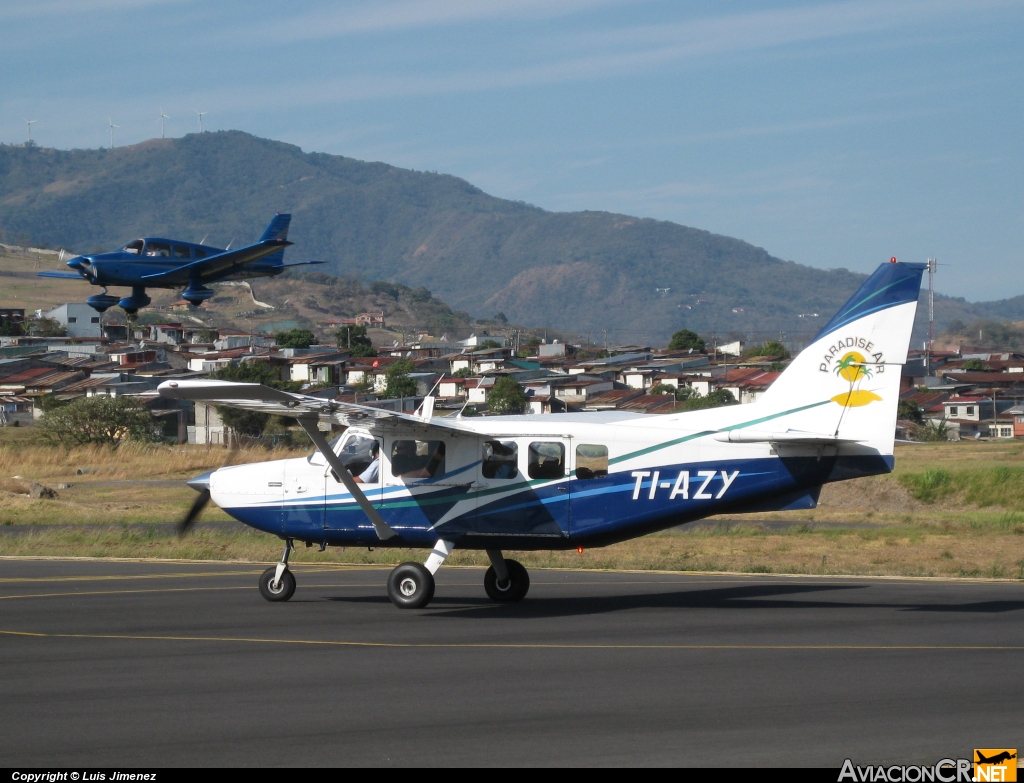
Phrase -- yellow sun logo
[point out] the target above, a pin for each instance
(853, 367)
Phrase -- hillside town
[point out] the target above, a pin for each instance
(954, 395)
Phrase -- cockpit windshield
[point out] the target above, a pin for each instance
(134, 247)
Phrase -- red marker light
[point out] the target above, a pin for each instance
(892, 260)
(376, 364)
(579, 549)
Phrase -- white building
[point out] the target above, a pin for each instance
(79, 319)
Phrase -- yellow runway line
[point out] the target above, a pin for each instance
(515, 646)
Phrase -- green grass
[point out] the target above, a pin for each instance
(978, 486)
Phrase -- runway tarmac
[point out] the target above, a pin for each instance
(118, 663)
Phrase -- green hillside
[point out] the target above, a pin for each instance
(582, 271)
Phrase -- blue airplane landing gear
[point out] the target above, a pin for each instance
(132, 304)
(197, 294)
(101, 302)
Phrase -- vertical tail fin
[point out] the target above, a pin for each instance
(849, 377)
(278, 229)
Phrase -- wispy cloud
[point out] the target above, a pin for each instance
(27, 10)
(337, 20)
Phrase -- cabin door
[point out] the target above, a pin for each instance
(360, 455)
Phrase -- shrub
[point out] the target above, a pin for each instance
(399, 384)
(100, 419)
(507, 396)
(685, 340)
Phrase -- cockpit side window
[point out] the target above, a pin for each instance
(134, 247)
(200, 253)
(180, 251)
(158, 249)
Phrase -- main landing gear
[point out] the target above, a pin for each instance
(411, 585)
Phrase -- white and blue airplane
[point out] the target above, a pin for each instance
(565, 481)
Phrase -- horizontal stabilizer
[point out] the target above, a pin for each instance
(795, 437)
(61, 275)
(220, 263)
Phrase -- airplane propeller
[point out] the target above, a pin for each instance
(197, 507)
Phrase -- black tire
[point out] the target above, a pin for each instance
(516, 589)
(410, 586)
(284, 591)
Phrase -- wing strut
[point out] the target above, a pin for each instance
(384, 531)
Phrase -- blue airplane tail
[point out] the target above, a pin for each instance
(278, 229)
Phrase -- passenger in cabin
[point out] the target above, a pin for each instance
(372, 473)
(408, 462)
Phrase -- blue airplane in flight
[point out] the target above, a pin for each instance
(155, 262)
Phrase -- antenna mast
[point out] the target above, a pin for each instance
(932, 264)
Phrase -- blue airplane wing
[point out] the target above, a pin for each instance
(62, 275)
(223, 263)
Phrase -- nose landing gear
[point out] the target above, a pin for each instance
(278, 583)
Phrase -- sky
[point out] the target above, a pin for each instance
(833, 134)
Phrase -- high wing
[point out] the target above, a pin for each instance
(220, 264)
(256, 397)
(795, 437)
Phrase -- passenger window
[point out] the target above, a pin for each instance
(181, 252)
(134, 247)
(591, 461)
(500, 459)
(417, 458)
(200, 253)
(158, 249)
(547, 460)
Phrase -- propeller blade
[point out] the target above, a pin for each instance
(194, 511)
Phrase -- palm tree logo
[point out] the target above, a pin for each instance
(852, 367)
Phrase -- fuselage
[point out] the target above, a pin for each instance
(142, 258)
(538, 482)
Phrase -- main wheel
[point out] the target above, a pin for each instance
(284, 590)
(515, 589)
(410, 586)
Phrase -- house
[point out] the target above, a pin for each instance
(80, 320)
(649, 403)
(611, 400)
(450, 388)
(209, 429)
(15, 410)
(1016, 414)
(15, 314)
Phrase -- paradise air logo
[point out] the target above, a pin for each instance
(995, 764)
(852, 365)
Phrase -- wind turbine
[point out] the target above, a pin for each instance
(162, 118)
(200, 113)
(112, 126)
(29, 123)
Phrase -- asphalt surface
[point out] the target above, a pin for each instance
(116, 663)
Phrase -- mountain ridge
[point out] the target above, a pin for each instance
(638, 278)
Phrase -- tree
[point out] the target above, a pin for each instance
(685, 340)
(48, 327)
(976, 365)
(355, 339)
(399, 384)
(663, 388)
(715, 399)
(251, 423)
(295, 338)
(488, 344)
(770, 348)
(506, 396)
(99, 419)
(465, 372)
(910, 411)
(11, 328)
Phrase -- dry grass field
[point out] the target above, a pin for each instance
(951, 509)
